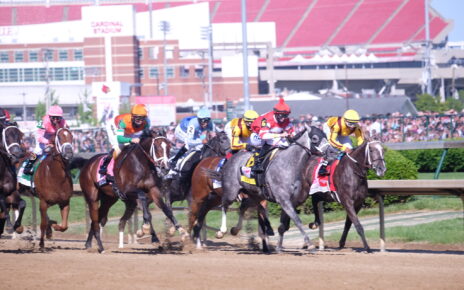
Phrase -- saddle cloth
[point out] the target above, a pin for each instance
(246, 174)
(324, 183)
(218, 183)
(101, 179)
(27, 179)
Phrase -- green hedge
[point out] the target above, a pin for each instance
(427, 160)
(398, 167)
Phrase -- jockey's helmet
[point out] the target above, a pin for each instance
(55, 111)
(281, 111)
(139, 112)
(204, 117)
(351, 118)
(249, 116)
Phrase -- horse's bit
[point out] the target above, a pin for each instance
(58, 144)
(6, 145)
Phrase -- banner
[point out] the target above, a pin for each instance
(107, 96)
(161, 109)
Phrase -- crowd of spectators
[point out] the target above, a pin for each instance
(396, 127)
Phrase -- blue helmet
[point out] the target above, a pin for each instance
(203, 113)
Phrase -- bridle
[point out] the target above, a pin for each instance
(60, 147)
(5, 144)
(159, 161)
(368, 158)
(216, 151)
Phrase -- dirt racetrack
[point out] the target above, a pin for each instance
(231, 263)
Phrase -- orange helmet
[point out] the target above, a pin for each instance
(139, 110)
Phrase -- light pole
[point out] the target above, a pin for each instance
(45, 59)
(206, 33)
(24, 107)
(165, 28)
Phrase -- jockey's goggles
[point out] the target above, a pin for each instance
(56, 118)
(351, 124)
(138, 118)
(282, 115)
(204, 120)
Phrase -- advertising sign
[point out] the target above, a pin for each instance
(161, 109)
(107, 98)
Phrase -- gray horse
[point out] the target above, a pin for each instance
(283, 183)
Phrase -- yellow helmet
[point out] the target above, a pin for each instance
(250, 116)
(351, 116)
(139, 110)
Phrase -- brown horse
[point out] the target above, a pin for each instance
(350, 179)
(11, 151)
(53, 182)
(138, 172)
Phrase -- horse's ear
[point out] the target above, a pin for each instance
(366, 134)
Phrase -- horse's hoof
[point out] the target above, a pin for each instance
(234, 231)
(101, 251)
(219, 235)
(157, 245)
(19, 230)
(312, 249)
(172, 231)
(270, 232)
(146, 229)
(139, 233)
(313, 226)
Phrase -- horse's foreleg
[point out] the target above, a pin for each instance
(244, 205)
(43, 222)
(19, 216)
(94, 226)
(147, 219)
(64, 209)
(289, 209)
(352, 217)
(3, 214)
(284, 226)
(131, 204)
(157, 199)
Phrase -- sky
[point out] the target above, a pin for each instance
(452, 9)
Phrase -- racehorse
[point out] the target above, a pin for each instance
(138, 173)
(350, 179)
(53, 182)
(18, 205)
(282, 183)
(180, 186)
(11, 151)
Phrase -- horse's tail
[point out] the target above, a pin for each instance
(213, 174)
(77, 162)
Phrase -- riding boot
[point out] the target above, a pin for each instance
(179, 154)
(258, 164)
(104, 166)
(323, 169)
(29, 165)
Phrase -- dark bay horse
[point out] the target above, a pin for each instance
(283, 181)
(11, 151)
(180, 186)
(138, 172)
(53, 182)
(350, 178)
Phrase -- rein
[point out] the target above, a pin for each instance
(368, 159)
(152, 156)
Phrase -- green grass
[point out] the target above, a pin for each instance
(440, 232)
(443, 175)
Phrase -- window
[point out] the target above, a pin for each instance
(28, 75)
(170, 72)
(4, 57)
(153, 52)
(154, 73)
(169, 52)
(184, 71)
(199, 72)
(48, 54)
(13, 75)
(19, 56)
(58, 74)
(78, 55)
(33, 56)
(63, 55)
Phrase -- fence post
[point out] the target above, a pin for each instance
(320, 209)
(381, 222)
(34, 214)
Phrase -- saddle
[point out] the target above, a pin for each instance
(257, 179)
(103, 179)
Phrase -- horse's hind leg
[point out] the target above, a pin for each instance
(3, 213)
(284, 226)
(210, 202)
(244, 205)
(352, 217)
(43, 222)
(317, 220)
(94, 226)
(147, 218)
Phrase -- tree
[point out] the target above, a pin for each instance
(85, 110)
(426, 102)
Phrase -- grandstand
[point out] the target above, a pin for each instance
(329, 47)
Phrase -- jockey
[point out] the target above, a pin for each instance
(4, 117)
(271, 130)
(192, 132)
(239, 130)
(46, 129)
(130, 127)
(338, 131)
